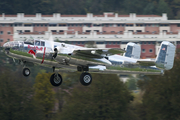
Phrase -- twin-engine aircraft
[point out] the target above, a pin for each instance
(76, 58)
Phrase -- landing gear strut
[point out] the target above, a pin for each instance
(56, 79)
(85, 79)
(26, 72)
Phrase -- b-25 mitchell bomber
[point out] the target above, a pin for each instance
(76, 58)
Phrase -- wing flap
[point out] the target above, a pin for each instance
(97, 52)
(146, 62)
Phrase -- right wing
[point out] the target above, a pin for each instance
(146, 62)
(97, 52)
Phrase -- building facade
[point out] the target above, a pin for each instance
(109, 30)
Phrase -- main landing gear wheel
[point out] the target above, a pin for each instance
(56, 79)
(26, 72)
(85, 79)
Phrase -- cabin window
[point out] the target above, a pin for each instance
(37, 43)
(42, 43)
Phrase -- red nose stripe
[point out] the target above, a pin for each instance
(32, 52)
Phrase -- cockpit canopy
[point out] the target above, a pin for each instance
(35, 42)
(14, 44)
(29, 41)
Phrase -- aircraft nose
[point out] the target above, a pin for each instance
(13, 44)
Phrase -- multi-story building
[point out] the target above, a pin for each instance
(106, 31)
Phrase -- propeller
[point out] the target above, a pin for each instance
(52, 46)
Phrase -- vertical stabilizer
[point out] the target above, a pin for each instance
(165, 57)
(133, 50)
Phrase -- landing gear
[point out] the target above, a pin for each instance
(26, 72)
(56, 79)
(85, 79)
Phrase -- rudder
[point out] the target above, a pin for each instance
(133, 50)
(165, 57)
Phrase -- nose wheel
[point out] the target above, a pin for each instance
(56, 79)
(85, 79)
(26, 72)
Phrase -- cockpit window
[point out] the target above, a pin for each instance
(37, 43)
(29, 41)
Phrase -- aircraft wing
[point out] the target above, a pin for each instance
(97, 52)
(146, 62)
(73, 68)
(47, 63)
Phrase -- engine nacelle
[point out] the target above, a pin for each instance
(165, 57)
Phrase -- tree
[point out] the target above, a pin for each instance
(16, 97)
(149, 9)
(131, 83)
(106, 98)
(44, 93)
(161, 97)
(163, 7)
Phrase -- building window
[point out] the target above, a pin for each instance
(1, 32)
(26, 30)
(52, 24)
(178, 25)
(61, 30)
(150, 50)
(53, 31)
(96, 30)
(143, 50)
(8, 32)
(19, 31)
(130, 30)
(139, 25)
(138, 30)
(27, 25)
(1, 40)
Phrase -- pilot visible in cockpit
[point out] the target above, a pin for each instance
(37, 43)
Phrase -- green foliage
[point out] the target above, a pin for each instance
(16, 101)
(161, 98)
(106, 98)
(44, 93)
(131, 83)
(90, 6)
